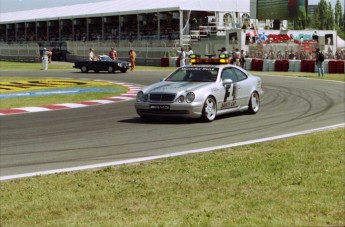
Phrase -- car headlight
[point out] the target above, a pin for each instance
(190, 97)
(119, 64)
(141, 97)
(180, 99)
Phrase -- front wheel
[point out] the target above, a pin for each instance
(254, 103)
(110, 69)
(84, 69)
(123, 70)
(209, 111)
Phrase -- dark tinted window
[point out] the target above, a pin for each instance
(194, 74)
(229, 74)
(240, 75)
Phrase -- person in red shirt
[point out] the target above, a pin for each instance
(113, 54)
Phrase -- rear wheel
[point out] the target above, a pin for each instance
(209, 111)
(254, 103)
(110, 69)
(84, 69)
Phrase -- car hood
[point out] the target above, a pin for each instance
(175, 87)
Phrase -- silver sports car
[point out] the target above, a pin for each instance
(201, 91)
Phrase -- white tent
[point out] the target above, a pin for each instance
(340, 43)
(122, 7)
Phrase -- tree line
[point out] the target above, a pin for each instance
(326, 18)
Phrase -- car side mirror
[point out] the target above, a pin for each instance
(227, 83)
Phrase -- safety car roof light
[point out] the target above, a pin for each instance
(195, 59)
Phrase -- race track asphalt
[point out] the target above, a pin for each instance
(51, 140)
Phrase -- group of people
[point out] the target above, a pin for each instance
(183, 55)
(295, 55)
(114, 56)
(236, 58)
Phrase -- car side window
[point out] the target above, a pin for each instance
(229, 74)
(240, 75)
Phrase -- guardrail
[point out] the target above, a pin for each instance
(20, 52)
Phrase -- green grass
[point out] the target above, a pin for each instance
(67, 65)
(293, 182)
(5, 65)
(329, 76)
(56, 99)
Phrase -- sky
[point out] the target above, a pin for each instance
(19, 5)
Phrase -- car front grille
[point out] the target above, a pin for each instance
(162, 97)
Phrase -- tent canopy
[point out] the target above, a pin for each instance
(120, 7)
(340, 43)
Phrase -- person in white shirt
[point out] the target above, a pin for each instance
(91, 55)
(45, 59)
(182, 56)
(188, 53)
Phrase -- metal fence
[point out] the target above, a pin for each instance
(29, 52)
(149, 52)
(31, 49)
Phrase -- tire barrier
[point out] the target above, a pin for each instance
(267, 65)
(257, 64)
(336, 66)
(249, 64)
(308, 66)
(164, 62)
(281, 66)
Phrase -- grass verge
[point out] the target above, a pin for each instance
(67, 65)
(293, 182)
(333, 76)
(5, 65)
(8, 103)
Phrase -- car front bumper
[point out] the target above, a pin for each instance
(186, 110)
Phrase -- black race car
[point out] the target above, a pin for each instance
(103, 63)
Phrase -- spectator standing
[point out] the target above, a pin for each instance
(132, 55)
(113, 54)
(242, 59)
(45, 59)
(224, 51)
(91, 54)
(50, 54)
(319, 62)
(237, 57)
(291, 55)
(182, 56)
(188, 53)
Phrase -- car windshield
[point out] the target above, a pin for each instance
(194, 74)
(104, 58)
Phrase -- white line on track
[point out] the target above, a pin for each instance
(143, 159)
